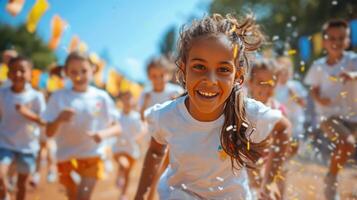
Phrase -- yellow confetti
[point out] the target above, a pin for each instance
(78, 78)
(248, 145)
(291, 52)
(333, 78)
(74, 163)
(270, 82)
(235, 51)
(302, 68)
(339, 166)
(334, 139)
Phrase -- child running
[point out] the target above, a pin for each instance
(262, 83)
(331, 79)
(213, 131)
(20, 110)
(127, 150)
(79, 118)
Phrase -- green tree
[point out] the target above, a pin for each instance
(168, 43)
(28, 44)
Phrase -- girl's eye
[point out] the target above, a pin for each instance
(224, 69)
(199, 67)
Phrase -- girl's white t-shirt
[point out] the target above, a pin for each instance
(16, 132)
(196, 161)
(94, 111)
(131, 126)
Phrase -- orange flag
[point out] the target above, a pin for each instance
(14, 7)
(58, 26)
(35, 15)
(74, 43)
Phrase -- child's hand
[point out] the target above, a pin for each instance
(96, 137)
(345, 76)
(22, 109)
(147, 99)
(270, 192)
(66, 115)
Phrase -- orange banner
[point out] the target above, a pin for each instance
(58, 26)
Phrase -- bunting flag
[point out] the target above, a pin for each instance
(54, 83)
(353, 25)
(305, 48)
(14, 7)
(35, 79)
(58, 26)
(3, 72)
(73, 45)
(113, 82)
(35, 15)
(83, 47)
(317, 43)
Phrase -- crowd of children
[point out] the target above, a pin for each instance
(225, 133)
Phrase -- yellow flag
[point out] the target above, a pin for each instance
(58, 26)
(74, 43)
(35, 14)
(3, 72)
(317, 43)
(83, 47)
(113, 82)
(14, 7)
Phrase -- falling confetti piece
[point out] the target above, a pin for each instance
(334, 3)
(333, 78)
(291, 52)
(343, 94)
(334, 139)
(248, 145)
(270, 82)
(74, 163)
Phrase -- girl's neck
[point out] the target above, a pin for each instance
(333, 59)
(80, 89)
(198, 115)
(126, 110)
(18, 88)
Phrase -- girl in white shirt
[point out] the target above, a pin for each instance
(213, 131)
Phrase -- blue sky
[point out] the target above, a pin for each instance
(128, 31)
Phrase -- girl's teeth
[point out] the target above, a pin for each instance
(207, 94)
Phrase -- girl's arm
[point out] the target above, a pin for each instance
(113, 130)
(144, 106)
(151, 165)
(65, 116)
(277, 155)
(29, 114)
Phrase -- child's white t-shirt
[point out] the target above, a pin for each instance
(18, 133)
(196, 162)
(171, 91)
(295, 112)
(131, 126)
(327, 78)
(94, 111)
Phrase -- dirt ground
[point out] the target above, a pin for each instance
(304, 182)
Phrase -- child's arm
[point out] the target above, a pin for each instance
(315, 93)
(113, 130)
(144, 106)
(348, 76)
(30, 115)
(64, 116)
(151, 165)
(277, 155)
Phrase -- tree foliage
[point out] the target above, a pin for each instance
(27, 44)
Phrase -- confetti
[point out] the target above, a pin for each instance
(235, 51)
(220, 178)
(270, 83)
(248, 145)
(333, 78)
(334, 3)
(291, 52)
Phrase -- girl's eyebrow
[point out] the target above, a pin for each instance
(226, 63)
(198, 59)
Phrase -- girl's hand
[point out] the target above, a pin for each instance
(345, 76)
(66, 115)
(22, 109)
(269, 192)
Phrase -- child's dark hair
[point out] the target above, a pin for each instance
(159, 62)
(76, 55)
(245, 36)
(265, 64)
(20, 58)
(335, 23)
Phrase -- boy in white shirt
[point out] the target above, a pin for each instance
(79, 119)
(330, 77)
(20, 108)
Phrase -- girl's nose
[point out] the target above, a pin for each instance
(211, 78)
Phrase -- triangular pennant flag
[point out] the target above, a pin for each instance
(35, 15)
(14, 7)
(58, 26)
(73, 45)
